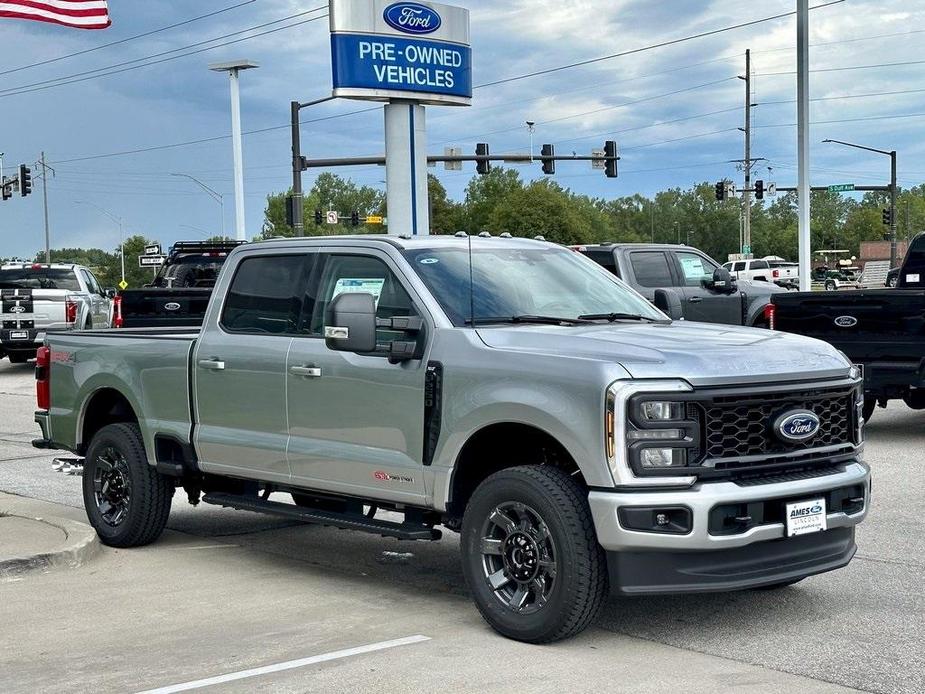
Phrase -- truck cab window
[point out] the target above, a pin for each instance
(651, 269)
(265, 295)
(695, 268)
(359, 273)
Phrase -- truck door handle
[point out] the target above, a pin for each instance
(213, 364)
(695, 299)
(308, 371)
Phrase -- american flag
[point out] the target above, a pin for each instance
(81, 14)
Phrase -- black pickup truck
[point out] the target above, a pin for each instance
(882, 329)
(180, 292)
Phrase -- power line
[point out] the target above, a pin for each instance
(847, 67)
(845, 96)
(846, 120)
(126, 40)
(662, 44)
(110, 69)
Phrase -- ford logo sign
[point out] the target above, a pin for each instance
(846, 321)
(411, 18)
(800, 425)
(18, 309)
(172, 306)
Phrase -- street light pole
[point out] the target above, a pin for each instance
(892, 155)
(214, 194)
(233, 68)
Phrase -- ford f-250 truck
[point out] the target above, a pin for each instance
(506, 389)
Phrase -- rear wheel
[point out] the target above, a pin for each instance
(127, 500)
(830, 285)
(915, 398)
(530, 554)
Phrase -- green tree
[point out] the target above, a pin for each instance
(446, 216)
(484, 194)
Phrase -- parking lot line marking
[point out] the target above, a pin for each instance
(288, 665)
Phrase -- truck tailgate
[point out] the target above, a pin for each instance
(43, 308)
(867, 325)
(148, 367)
(162, 307)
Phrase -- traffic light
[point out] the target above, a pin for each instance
(610, 159)
(355, 218)
(318, 218)
(720, 189)
(759, 190)
(482, 166)
(290, 211)
(548, 157)
(887, 216)
(25, 180)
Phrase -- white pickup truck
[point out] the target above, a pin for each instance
(781, 272)
(36, 297)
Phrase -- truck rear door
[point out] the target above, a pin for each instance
(239, 368)
(356, 421)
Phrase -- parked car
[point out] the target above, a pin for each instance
(882, 329)
(37, 297)
(506, 389)
(778, 271)
(686, 277)
(179, 293)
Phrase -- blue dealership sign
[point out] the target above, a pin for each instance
(390, 64)
(388, 49)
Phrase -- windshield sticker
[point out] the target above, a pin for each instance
(692, 267)
(350, 284)
(912, 278)
(428, 261)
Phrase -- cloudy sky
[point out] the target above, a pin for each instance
(673, 110)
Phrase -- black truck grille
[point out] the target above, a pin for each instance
(738, 425)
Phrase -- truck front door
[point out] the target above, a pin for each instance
(239, 368)
(703, 303)
(356, 421)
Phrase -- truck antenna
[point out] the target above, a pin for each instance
(471, 287)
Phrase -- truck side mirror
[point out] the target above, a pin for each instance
(669, 303)
(722, 280)
(350, 323)
(110, 292)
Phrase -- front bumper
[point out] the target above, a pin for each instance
(703, 497)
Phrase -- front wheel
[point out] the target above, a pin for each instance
(830, 286)
(126, 499)
(530, 554)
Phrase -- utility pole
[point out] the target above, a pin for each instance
(747, 163)
(893, 208)
(298, 163)
(45, 169)
(803, 193)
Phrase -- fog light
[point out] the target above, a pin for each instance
(660, 411)
(662, 457)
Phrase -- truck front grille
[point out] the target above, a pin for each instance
(739, 433)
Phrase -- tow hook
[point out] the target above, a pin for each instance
(69, 466)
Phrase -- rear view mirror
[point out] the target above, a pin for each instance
(669, 303)
(350, 323)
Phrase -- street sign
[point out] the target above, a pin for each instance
(374, 219)
(746, 250)
(598, 161)
(151, 260)
(153, 249)
(332, 217)
(452, 165)
(381, 50)
(841, 187)
(771, 189)
(123, 285)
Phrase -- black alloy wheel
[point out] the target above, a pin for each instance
(112, 486)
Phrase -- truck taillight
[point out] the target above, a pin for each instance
(70, 311)
(43, 378)
(769, 311)
(775, 274)
(117, 311)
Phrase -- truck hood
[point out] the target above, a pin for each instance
(701, 353)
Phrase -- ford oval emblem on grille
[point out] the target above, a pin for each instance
(799, 425)
(411, 18)
(172, 306)
(846, 321)
(18, 309)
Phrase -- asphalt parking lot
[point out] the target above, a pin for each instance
(259, 603)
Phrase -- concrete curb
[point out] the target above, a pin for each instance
(80, 545)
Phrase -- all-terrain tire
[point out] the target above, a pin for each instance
(580, 583)
(149, 493)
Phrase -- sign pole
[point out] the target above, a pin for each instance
(406, 168)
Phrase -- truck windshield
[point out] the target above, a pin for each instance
(39, 278)
(523, 282)
(199, 270)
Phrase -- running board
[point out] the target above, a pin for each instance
(346, 521)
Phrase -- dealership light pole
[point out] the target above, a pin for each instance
(892, 155)
(233, 68)
(214, 194)
(118, 220)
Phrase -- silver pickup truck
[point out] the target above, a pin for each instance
(37, 297)
(506, 389)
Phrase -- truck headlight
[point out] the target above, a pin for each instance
(660, 411)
